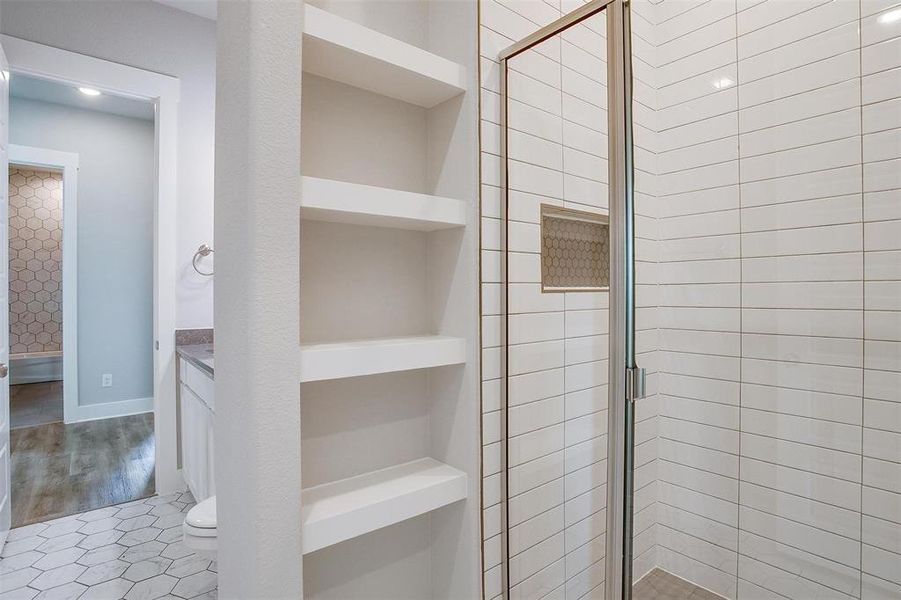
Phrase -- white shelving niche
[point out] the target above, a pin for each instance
(389, 299)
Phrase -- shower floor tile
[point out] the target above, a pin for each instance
(660, 585)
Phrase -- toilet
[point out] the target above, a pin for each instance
(199, 527)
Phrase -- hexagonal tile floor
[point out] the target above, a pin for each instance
(129, 551)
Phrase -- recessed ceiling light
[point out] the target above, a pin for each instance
(890, 17)
(89, 91)
(722, 83)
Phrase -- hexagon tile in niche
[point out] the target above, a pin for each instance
(575, 250)
(35, 260)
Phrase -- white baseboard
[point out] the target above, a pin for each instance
(180, 485)
(26, 379)
(108, 410)
(37, 368)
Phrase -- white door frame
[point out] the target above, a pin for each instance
(45, 62)
(5, 459)
(68, 163)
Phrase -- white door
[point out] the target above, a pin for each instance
(5, 498)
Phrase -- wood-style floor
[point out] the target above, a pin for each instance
(33, 404)
(59, 470)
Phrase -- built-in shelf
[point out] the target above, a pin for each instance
(344, 509)
(357, 204)
(355, 358)
(339, 49)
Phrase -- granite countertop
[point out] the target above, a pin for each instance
(199, 355)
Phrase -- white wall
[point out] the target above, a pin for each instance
(258, 188)
(158, 38)
(115, 240)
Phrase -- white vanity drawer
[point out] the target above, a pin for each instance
(198, 446)
(199, 382)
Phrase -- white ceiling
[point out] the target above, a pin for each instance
(202, 8)
(21, 86)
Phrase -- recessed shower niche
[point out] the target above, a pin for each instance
(575, 250)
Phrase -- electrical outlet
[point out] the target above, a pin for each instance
(106, 380)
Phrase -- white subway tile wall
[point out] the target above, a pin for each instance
(768, 182)
(700, 292)
(768, 152)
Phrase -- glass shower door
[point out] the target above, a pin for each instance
(567, 242)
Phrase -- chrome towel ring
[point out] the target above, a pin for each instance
(202, 252)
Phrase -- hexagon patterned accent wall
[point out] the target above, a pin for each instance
(35, 260)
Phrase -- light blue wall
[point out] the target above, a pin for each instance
(162, 39)
(115, 240)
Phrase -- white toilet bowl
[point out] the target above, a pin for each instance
(199, 527)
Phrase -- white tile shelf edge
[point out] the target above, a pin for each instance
(355, 358)
(341, 50)
(358, 204)
(347, 508)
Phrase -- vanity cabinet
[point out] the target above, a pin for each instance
(197, 429)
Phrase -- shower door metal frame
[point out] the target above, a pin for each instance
(625, 380)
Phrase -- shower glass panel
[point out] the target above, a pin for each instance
(557, 266)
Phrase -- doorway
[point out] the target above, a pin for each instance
(161, 92)
(35, 295)
(81, 301)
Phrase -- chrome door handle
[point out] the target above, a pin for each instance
(636, 378)
(4, 370)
